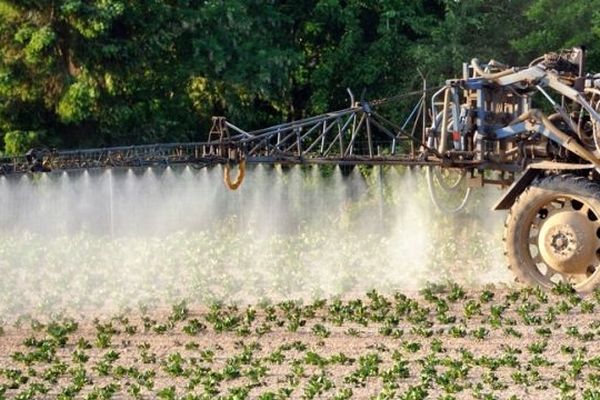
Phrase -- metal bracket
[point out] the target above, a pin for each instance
(532, 172)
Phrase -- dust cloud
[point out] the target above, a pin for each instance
(106, 239)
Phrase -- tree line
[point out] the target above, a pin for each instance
(83, 73)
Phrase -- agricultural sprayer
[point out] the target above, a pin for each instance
(532, 129)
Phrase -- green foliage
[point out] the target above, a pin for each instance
(552, 25)
(450, 364)
(18, 142)
(121, 72)
(78, 102)
(38, 43)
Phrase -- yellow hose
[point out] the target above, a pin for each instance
(233, 185)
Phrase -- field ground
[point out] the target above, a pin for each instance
(444, 342)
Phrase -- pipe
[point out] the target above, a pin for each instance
(595, 123)
(444, 131)
(486, 75)
(537, 60)
(560, 110)
(497, 64)
(559, 136)
(351, 97)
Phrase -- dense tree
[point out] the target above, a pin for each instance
(241, 60)
(93, 73)
(554, 24)
(78, 73)
(359, 45)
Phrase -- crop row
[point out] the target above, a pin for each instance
(445, 343)
(85, 272)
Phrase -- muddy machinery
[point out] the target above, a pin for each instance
(534, 128)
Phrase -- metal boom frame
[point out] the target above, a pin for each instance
(485, 122)
(355, 135)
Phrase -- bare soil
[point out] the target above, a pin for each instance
(388, 346)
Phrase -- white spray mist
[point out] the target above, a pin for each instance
(98, 240)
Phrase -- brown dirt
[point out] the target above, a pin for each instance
(353, 339)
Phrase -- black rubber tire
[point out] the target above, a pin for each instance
(520, 218)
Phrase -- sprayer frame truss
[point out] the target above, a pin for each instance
(358, 135)
(361, 135)
(355, 135)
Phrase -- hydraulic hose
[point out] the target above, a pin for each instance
(234, 185)
(486, 75)
(559, 136)
(594, 92)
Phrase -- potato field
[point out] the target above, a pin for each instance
(296, 287)
(311, 199)
(444, 342)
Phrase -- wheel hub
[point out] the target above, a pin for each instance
(566, 242)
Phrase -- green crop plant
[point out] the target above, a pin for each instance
(317, 384)
(564, 307)
(79, 377)
(341, 359)
(544, 332)
(414, 393)
(131, 329)
(231, 370)
(312, 358)
(32, 391)
(161, 328)
(353, 332)
(480, 333)
(576, 365)
(486, 296)
(343, 394)
(147, 357)
(510, 331)
(80, 356)
(368, 366)
(179, 312)
(168, 393)
(223, 319)
(103, 368)
(437, 346)
(538, 347)
(398, 370)
(103, 340)
(563, 384)
(321, 331)
(422, 331)
(530, 348)
(193, 327)
(456, 292)
(255, 373)
(458, 331)
(411, 347)
(60, 331)
(174, 365)
(472, 308)
(540, 361)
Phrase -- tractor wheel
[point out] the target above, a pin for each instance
(552, 233)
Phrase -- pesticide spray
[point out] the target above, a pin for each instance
(106, 239)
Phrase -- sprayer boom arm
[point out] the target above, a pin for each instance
(484, 122)
(356, 135)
